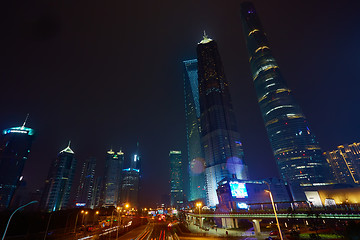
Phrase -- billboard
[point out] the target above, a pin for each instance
(238, 190)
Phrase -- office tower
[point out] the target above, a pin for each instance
(112, 177)
(176, 179)
(131, 182)
(15, 144)
(219, 135)
(86, 185)
(97, 193)
(297, 153)
(345, 163)
(59, 181)
(196, 160)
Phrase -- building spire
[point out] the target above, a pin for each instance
(69, 143)
(205, 36)
(206, 39)
(27, 116)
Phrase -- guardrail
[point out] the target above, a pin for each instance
(343, 216)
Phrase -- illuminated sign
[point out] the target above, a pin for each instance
(238, 190)
(80, 204)
(242, 205)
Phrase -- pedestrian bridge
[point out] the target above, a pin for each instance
(303, 215)
(229, 220)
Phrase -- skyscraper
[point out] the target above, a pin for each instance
(192, 114)
(15, 144)
(219, 135)
(344, 162)
(131, 182)
(86, 185)
(112, 177)
(97, 193)
(176, 179)
(297, 153)
(59, 181)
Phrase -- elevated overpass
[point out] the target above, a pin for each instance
(229, 219)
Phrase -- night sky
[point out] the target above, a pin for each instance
(109, 73)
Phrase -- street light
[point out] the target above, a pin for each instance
(199, 204)
(77, 216)
(85, 213)
(96, 213)
(118, 210)
(273, 205)
(7, 225)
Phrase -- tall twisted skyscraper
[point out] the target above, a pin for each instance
(219, 135)
(192, 114)
(298, 155)
(15, 144)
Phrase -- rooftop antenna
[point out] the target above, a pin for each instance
(205, 35)
(27, 116)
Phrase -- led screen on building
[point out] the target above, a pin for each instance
(238, 190)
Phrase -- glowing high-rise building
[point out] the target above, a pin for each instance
(196, 160)
(112, 177)
(86, 185)
(176, 179)
(297, 153)
(59, 181)
(15, 144)
(220, 139)
(345, 163)
(130, 185)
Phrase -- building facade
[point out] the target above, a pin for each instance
(97, 193)
(131, 182)
(59, 181)
(220, 139)
(196, 161)
(345, 163)
(15, 145)
(176, 179)
(86, 185)
(295, 148)
(112, 177)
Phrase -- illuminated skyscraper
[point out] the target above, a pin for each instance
(59, 181)
(176, 179)
(298, 155)
(192, 113)
(112, 177)
(131, 182)
(85, 188)
(345, 163)
(15, 144)
(219, 135)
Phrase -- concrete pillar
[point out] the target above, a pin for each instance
(201, 222)
(256, 225)
(235, 221)
(223, 222)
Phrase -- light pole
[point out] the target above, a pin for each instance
(118, 209)
(77, 215)
(199, 204)
(273, 205)
(85, 213)
(47, 227)
(96, 214)
(7, 225)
